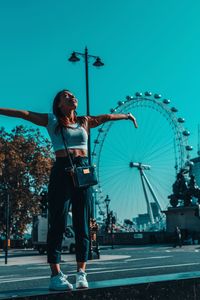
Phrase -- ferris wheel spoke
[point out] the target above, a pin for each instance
(111, 175)
(122, 195)
(161, 183)
(143, 133)
(116, 188)
(149, 130)
(154, 157)
(153, 147)
(117, 154)
(157, 152)
(122, 140)
(155, 135)
(113, 164)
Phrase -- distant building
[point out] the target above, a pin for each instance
(155, 210)
(142, 219)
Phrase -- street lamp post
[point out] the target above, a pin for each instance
(7, 215)
(98, 63)
(6, 190)
(94, 203)
(107, 202)
(109, 221)
(111, 231)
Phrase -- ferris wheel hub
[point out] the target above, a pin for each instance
(139, 166)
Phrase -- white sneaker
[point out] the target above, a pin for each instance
(60, 283)
(63, 275)
(81, 281)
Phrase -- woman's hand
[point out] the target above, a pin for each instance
(98, 120)
(133, 119)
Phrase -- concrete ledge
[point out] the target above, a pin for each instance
(181, 286)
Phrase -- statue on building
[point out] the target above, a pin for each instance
(184, 188)
(193, 188)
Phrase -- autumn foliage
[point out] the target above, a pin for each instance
(25, 162)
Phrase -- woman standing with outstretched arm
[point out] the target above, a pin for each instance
(61, 190)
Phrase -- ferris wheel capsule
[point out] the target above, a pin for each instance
(138, 94)
(189, 148)
(174, 109)
(120, 103)
(186, 133)
(157, 96)
(181, 120)
(148, 94)
(112, 110)
(128, 98)
(166, 101)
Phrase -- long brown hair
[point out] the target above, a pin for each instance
(61, 118)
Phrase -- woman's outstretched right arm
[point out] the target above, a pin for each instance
(36, 118)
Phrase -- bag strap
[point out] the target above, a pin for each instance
(66, 149)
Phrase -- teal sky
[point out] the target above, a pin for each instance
(149, 45)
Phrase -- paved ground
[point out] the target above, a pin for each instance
(26, 270)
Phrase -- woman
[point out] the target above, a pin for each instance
(61, 191)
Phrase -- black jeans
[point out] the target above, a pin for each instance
(62, 193)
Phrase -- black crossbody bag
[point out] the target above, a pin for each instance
(82, 176)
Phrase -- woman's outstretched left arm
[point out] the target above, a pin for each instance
(98, 120)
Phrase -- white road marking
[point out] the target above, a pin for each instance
(15, 275)
(38, 268)
(69, 259)
(145, 258)
(98, 272)
(23, 279)
(146, 268)
(175, 250)
(47, 267)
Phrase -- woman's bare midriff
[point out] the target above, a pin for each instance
(75, 152)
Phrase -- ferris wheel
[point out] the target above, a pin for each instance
(137, 167)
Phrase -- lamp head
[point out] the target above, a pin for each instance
(73, 57)
(98, 62)
(107, 200)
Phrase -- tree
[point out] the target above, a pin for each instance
(25, 162)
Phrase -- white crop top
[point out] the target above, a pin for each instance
(76, 138)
